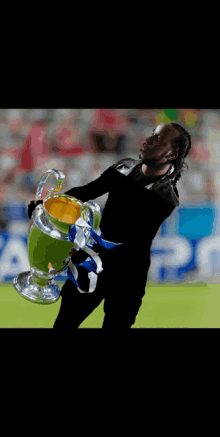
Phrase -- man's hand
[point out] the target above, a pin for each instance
(72, 251)
(32, 205)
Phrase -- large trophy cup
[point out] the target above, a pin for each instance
(49, 241)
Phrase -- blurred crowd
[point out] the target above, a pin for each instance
(82, 143)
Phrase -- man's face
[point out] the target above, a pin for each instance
(157, 149)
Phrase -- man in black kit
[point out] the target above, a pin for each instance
(142, 194)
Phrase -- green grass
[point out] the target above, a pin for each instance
(163, 306)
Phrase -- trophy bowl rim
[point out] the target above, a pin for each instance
(50, 196)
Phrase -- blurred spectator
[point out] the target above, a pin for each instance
(16, 124)
(80, 168)
(108, 132)
(197, 184)
(8, 162)
(66, 138)
(35, 149)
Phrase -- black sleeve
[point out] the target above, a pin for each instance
(94, 189)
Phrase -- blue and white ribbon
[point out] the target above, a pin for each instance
(94, 266)
(79, 234)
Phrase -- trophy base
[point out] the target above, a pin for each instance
(24, 285)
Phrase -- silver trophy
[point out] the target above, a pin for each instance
(49, 243)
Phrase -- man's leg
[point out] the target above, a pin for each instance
(126, 289)
(121, 311)
(75, 306)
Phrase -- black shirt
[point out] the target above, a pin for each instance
(132, 215)
(130, 207)
(138, 176)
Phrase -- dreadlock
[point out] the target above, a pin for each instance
(182, 145)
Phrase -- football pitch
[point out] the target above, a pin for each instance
(163, 306)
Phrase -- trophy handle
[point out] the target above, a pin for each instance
(60, 178)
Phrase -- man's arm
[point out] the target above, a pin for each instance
(92, 190)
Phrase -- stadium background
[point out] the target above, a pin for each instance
(83, 143)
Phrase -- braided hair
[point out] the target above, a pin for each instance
(182, 145)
